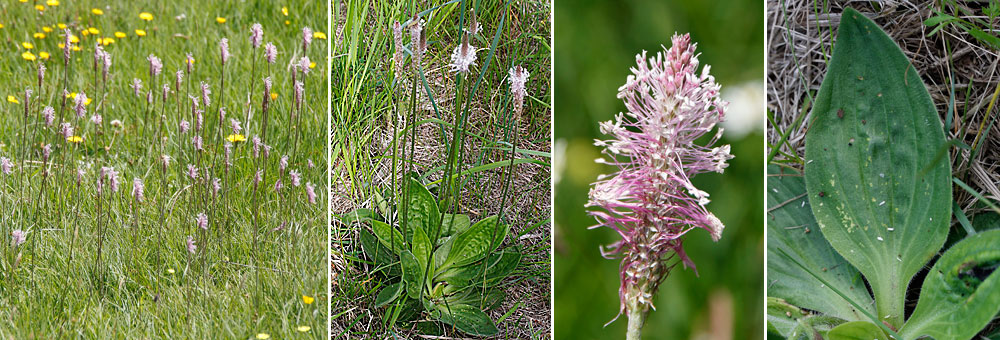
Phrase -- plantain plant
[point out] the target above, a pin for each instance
(438, 264)
(873, 205)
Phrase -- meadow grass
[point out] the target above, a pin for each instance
(110, 265)
(371, 103)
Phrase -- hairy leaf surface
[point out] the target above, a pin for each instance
(961, 293)
(792, 228)
(880, 197)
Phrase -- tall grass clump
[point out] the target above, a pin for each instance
(132, 205)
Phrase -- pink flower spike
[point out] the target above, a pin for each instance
(224, 50)
(307, 38)
(202, 221)
(270, 53)
(311, 193)
(191, 247)
(256, 34)
(649, 200)
(49, 114)
(6, 166)
(137, 189)
(17, 237)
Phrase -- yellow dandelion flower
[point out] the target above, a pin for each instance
(12, 100)
(40, 7)
(61, 26)
(96, 11)
(120, 35)
(141, 33)
(74, 39)
(85, 32)
(263, 336)
(52, 3)
(274, 96)
(303, 329)
(88, 101)
(284, 10)
(28, 56)
(288, 22)
(319, 35)
(43, 55)
(39, 35)
(24, 0)
(71, 95)
(61, 45)
(312, 64)
(46, 29)
(236, 138)
(76, 48)
(107, 41)
(1, 25)
(27, 45)
(220, 20)
(146, 16)
(93, 31)
(74, 139)
(308, 299)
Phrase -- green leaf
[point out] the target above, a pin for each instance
(388, 294)
(442, 251)
(460, 277)
(466, 318)
(473, 244)
(782, 317)
(454, 224)
(388, 236)
(502, 268)
(379, 254)
(421, 247)
(857, 330)
(938, 19)
(878, 196)
(413, 273)
(961, 293)
(423, 211)
(794, 323)
(791, 227)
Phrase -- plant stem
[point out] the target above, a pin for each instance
(636, 319)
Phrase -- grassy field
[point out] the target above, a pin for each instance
(371, 98)
(100, 261)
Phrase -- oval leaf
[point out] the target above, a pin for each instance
(473, 244)
(413, 273)
(379, 254)
(857, 330)
(961, 293)
(455, 224)
(421, 247)
(880, 198)
(466, 318)
(388, 236)
(792, 228)
(422, 211)
(388, 294)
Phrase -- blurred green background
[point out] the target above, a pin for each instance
(596, 43)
